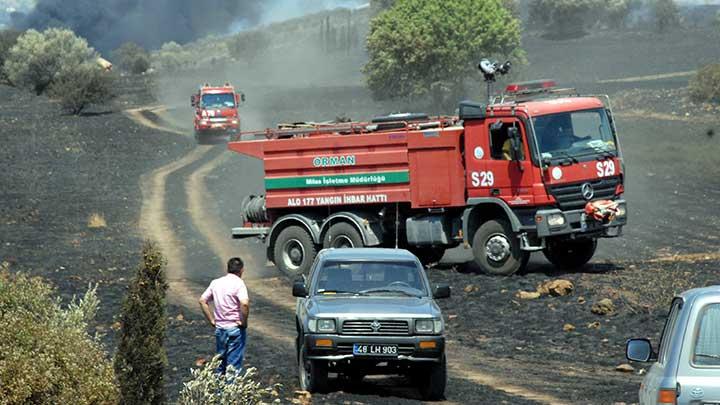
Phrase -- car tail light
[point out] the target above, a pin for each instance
(667, 397)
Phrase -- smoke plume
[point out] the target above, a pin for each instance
(109, 23)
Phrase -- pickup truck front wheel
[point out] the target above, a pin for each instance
(313, 374)
(433, 380)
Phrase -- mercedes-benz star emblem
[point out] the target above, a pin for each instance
(587, 191)
(375, 325)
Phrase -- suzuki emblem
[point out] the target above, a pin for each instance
(375, 325)
(587, 191)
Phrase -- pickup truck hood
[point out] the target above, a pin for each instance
(372, 307)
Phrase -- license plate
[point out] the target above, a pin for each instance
(217, 125)
(360, 349)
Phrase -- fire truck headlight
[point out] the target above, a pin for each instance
(203, 122)
(234, 122)
(620, 211)
(556, 220)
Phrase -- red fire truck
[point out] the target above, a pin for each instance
(216, 112)
(536, 169)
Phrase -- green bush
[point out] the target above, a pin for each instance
(38, 58)
(207, 387)
(132, 58)
(172, 58)
(46, 354)
(705, 86)
(431, 47)
(8, 39)
(248, 45)
(141, 357)
(563, 19)
(666, 14)
(82, 85)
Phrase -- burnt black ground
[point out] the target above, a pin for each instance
(58, 170)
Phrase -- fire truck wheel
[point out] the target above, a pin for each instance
(570, 254)
(497, 250)
(294, 251)
(342, 235)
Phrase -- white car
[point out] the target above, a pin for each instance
(686, 367)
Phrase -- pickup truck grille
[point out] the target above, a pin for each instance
(403, 350)
(365, 328)
(569, 196)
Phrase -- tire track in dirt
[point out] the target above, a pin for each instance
(154, 224)
(280, 327)
(136, 114)
(209, 225)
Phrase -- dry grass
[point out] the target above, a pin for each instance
(96, 220)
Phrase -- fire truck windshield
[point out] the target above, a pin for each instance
(223, 100)
(574, 133)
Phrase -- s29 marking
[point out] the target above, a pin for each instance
(482, 179)
(605, 168)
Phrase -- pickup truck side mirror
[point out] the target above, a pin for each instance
(639, 350)
(299, 289)
(441, 291)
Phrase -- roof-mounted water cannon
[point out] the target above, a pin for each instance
(490, 70)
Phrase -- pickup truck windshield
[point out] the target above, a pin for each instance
(369, 278)
(576, 133)
(707, 346)
(224, 100)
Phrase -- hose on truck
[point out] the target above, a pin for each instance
(253, 209)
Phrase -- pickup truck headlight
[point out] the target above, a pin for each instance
(620, 211)
(428, 326)
(321, 325)
(556, 220)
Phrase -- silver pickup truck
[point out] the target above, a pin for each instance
(370, 311)
(686, 367)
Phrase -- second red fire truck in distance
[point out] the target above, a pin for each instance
(537, 169)
(216, 112)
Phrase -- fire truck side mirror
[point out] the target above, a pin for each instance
(515, 143)
(193, 100)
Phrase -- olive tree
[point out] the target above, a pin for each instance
(248, 45)
(37, 58)
(431, 47)
(132, 58)
(666, 14)
(8, 39)
(46, 353)
(82, 85)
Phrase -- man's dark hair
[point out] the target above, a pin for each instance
(235, 265)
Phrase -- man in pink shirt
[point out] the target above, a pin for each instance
(232, 307)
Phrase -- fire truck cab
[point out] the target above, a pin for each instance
(216, 112)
